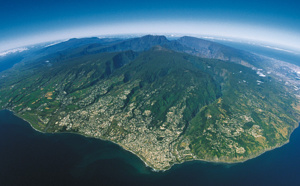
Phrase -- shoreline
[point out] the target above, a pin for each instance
(145, 163)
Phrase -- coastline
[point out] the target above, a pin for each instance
(176, 163)
(145, 163)
(25, 121)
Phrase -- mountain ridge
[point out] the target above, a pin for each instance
(186, 44)
(164, 105)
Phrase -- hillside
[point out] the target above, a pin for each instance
(166, 106)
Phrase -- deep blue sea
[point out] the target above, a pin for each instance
(28, 157)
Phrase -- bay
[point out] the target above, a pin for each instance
(28, 157)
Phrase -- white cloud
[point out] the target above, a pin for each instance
(5, 53)
(260, 74)
(280, 49)
(55, 43)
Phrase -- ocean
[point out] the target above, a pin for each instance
(28, 157)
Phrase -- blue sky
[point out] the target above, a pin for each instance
(32, 21)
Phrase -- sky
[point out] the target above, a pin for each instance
(26, 22)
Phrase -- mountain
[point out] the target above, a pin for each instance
(155, 99)
(94, 45)
(135, 44)
(69, 46)
(210, 49)
(190, 45)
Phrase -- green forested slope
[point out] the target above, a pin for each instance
(165, 106)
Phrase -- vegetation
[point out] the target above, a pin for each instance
(165, 106)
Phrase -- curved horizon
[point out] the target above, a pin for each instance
(30, 22)
(239, 31)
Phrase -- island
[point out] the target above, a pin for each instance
(166, 101)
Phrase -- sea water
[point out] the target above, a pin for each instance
(28, 157)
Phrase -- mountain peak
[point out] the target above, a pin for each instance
(154, 37)
(152, 40)
(137, 44)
